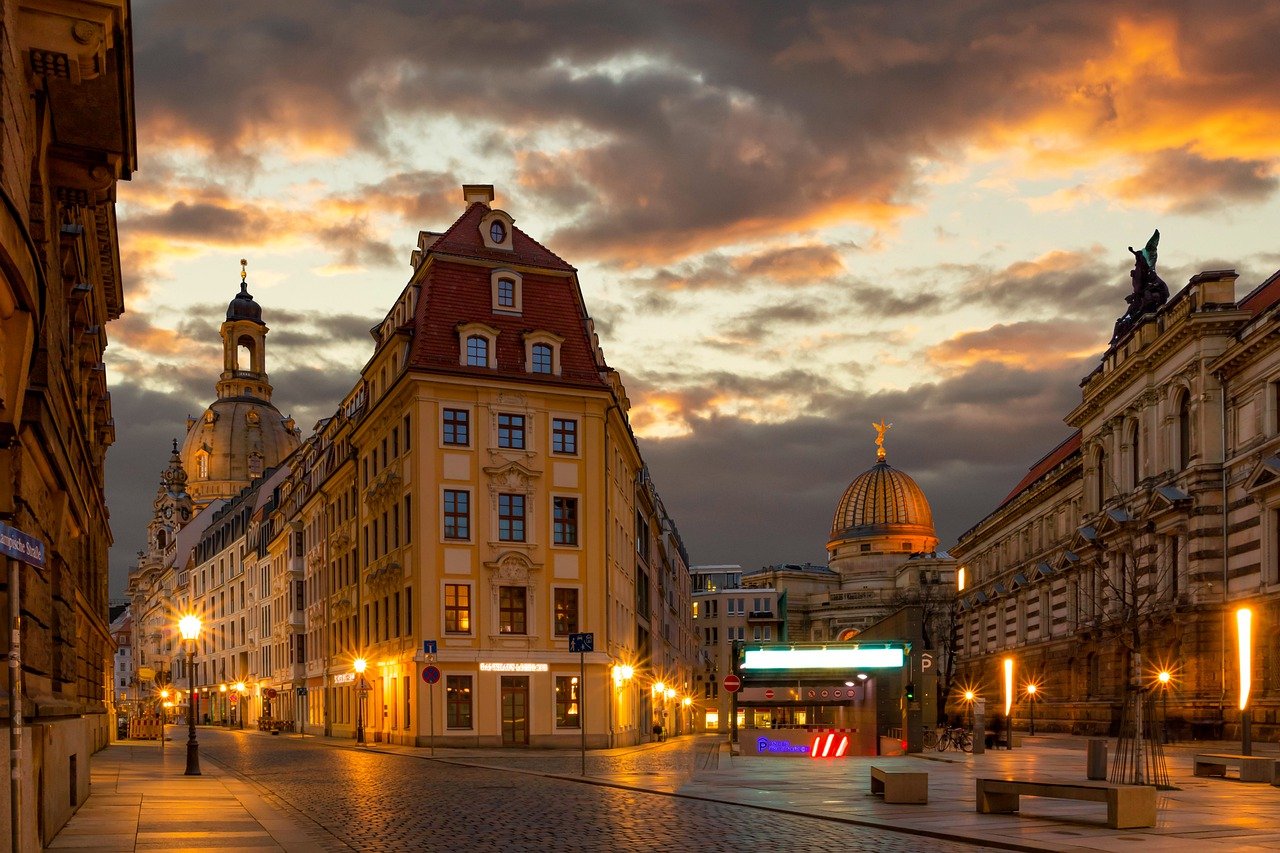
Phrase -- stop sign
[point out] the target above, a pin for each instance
(732, 683)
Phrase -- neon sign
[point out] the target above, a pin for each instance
(825, 658)
(486, 666)
(764, 745)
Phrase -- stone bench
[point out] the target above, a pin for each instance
(1253, 768)
(900, 786)
(1128, 806)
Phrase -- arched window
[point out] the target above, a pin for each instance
(478, 351)
(1135, 455)
(1099, 480)
(542, 358)
(202, 466)
(1184, 431)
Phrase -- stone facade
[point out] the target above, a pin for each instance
(66, 138)
(1114, 559)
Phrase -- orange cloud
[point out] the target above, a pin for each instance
(1028, 345)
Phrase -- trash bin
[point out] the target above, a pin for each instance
(1097, 762)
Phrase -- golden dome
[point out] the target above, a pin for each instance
(882, 501)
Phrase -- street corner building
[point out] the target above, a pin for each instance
(66, 109)
(1129, 548)
(413, 571)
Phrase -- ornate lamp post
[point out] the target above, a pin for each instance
(189, 627)
(1164, 676)
(362, 687)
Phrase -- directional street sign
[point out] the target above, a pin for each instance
(429, 647)
(20, 546)
(431, 674)
(582, 642)
(732, 683)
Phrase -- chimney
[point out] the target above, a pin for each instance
(482, 193)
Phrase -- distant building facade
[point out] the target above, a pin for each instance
(1129, 547)
(66, 84)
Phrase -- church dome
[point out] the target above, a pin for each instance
(242, 307)
(233, 443)
(882, 501)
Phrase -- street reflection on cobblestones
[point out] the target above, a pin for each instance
(384, 801)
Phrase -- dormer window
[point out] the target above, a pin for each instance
(541, 362)
(478, 351)
(506, 287)
(495, 230)
(477, 345)
(542, 352)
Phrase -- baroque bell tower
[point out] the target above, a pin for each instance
(244, 347)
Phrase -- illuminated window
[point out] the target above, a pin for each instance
(566, 521)
(511, 610)
(457, 427)
(457, 514)
(458, 701)
(567, 716)
(457, 608)
(566, 611)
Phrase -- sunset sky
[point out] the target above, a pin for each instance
(790, 219)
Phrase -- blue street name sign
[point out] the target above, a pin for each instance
(582, 642)
(429, 647)
(21, 546)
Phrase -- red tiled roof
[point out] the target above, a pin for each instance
(1046, 464)
(454, 293)
(463, 238)
(1263, 296)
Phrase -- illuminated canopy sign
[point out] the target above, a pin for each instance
(344, 678)
(513, 667)
(848, 658)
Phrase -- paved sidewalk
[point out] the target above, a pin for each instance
(141, 800)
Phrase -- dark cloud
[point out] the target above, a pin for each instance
(353, 245)
(1188, 183)
(753, 493)
(695, 128)
(209, 223)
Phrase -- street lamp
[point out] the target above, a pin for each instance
(189, 627)
(240, 689)
(1244, 637)
(1008, 701)
(969, 698)
(226, 709)
(1163, 677)
(359, 666)
(1031, 705)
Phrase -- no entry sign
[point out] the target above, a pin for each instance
(732, 683)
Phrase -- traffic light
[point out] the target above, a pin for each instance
(911, 691)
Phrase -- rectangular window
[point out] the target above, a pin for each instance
(564, 435)
(406, 434)
(511, 610)
(642, 594)
(511, 518)
(457, 689)
(408, 682)
(567, 716)
(408, 520)
(397, 617)
(506, 293)
(566, 521)
(457, 608)
(566, 605)
(457, 514)
(457, 427)
(511, 431)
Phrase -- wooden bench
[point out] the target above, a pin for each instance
(900, 786)
(1128, 806)
(1253, 768)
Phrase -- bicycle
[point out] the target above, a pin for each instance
(931, 738)
(958, 739)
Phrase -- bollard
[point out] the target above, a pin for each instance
(1097, 762)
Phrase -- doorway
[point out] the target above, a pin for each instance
(515, 710)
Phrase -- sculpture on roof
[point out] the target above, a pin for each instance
(880, 428)
(1149, 290)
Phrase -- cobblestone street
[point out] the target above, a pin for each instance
(384, 801)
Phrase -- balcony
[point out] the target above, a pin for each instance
(762, 616)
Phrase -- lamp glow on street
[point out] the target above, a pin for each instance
(1244, 634)
(1008, 686)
